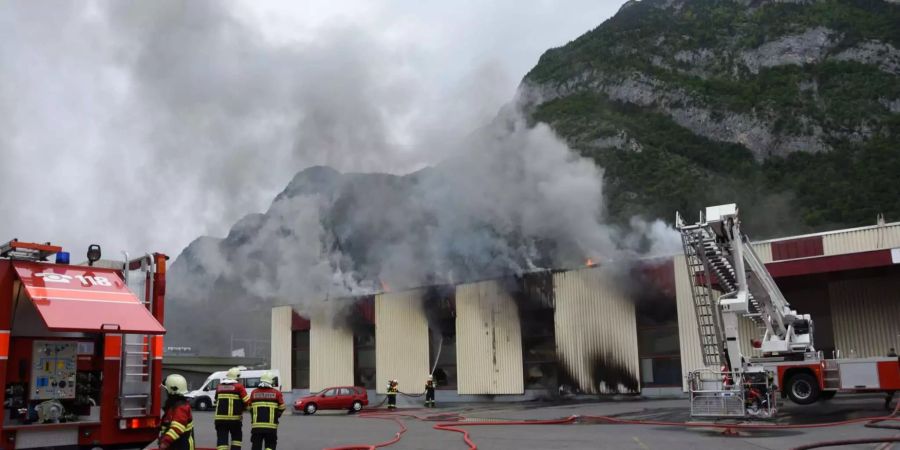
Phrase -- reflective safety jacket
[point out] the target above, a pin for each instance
(177, 425)
(266, 407)
(231, 398)
(392, 390)
(429, 385)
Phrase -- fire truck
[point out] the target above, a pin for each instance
(730, 283)
(80, 348)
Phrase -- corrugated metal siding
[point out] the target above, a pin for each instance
(866, 315)
(282, 318)
(749, 331)
(330, 355)
(797, 248)
(401, 341)
(488, 340)
(688, 333)
(764, 251)
(862, 240)
(596, 331)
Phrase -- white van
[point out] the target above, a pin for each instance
(204, 398)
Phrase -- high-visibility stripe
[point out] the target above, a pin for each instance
(178, 426)
(173, 434)
(157, 346)
(265, 425)
(4, 344)
(80, 294)
(112, 346)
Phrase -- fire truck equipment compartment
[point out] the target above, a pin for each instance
(87, 299)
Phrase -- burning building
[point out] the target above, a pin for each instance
(600, 329)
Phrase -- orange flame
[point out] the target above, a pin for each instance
(589, 262)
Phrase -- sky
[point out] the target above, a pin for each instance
(143, 125)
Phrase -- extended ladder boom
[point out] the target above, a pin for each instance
(719, 256)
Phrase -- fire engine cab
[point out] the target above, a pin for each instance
(80, 349)
(729, 283)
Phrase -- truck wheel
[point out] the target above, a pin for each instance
(204, 404)
(310, 409)
(803, 389)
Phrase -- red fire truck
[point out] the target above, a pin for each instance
(730, 282)
(80, 349)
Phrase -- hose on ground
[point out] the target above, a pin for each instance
(456, 423)
(873, 423)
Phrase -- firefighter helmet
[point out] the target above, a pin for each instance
(233, 373)
(267, 379)
(176, 384)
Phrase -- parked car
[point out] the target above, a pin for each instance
(350, 398)
(204, 399)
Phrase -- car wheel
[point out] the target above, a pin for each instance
(357, 406)
(803, 389)
(204, 404)
(310, 408)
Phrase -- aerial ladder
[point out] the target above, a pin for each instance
(730, 282)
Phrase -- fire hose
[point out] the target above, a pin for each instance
(456, 424)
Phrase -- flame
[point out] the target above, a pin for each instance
(589, 262)
(385, 287)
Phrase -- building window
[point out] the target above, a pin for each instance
(300, 359)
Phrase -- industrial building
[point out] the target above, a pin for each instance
(609, 329)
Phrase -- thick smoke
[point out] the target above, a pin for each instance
(514, 200)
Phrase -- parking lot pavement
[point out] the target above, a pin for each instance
(331, 429)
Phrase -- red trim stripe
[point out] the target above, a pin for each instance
(112, 346)
(4, 344)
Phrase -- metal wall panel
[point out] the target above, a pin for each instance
(862, 239)
(401, 341)
(865, 315)
(488, 340)
(282, 316)
(749, 331)
(596, 331)
(688, 332)
(330, 354)
(764, 251)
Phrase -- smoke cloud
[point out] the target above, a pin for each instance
(514, 199)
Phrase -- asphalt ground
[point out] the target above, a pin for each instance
(328, 429)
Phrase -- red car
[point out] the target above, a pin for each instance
(350, 398)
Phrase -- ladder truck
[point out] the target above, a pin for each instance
(80, 348)
(730, 283)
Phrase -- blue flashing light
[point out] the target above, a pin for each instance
(62, 258)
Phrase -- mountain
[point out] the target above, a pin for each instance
(788, 107)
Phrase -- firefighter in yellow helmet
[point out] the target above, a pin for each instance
(429, 392)
(231, 399)
(177, 432)
(266, 407)
(392, 394)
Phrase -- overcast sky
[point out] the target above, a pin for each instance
(142, 125)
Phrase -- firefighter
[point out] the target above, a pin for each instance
(429, 392)
(231, 399)
(392, 394)
(177, 431)
(266, 407)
